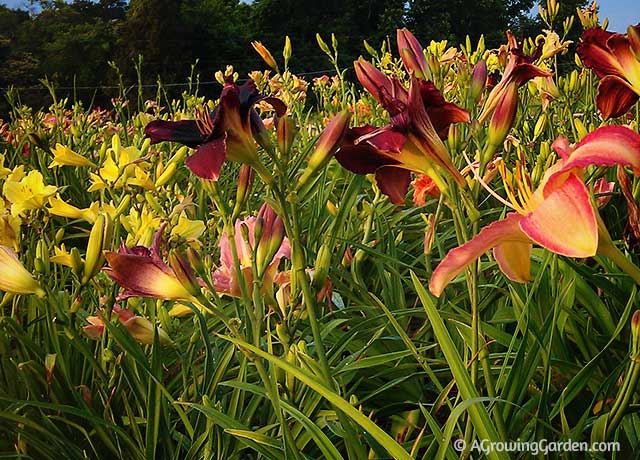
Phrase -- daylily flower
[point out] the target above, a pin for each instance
(14, 277)
(9, 227)
(271, 248)
(615, 59)
(26, 192)
(142, 273)
(187, 228)
(64, 156)
(558, 215)
(412, 141)
(423, 187)
(141, 329)
(519, 70)
(226, 133)
(59, 207)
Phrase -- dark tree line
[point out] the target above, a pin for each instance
(72, 43)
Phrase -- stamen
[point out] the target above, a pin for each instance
(204, 122)
(484, 184)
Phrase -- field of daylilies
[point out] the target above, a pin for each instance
(432, 257)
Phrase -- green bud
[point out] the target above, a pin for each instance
(94, 258)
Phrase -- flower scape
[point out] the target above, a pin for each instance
(438, 244)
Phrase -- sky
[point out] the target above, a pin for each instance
(621, 13)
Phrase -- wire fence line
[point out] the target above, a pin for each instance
(155, 85)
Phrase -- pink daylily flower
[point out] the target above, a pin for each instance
(558, 215)
(272, 247)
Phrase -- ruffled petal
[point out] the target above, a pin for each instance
(565, 221)
(495, 234)
(595, 54)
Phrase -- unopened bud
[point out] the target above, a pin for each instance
(322, 265)
(503, 116)
(94, 258)
(328, 143)
(245, 181)
(286, 132)
(478, 81)
(265, 54)
(166, 175)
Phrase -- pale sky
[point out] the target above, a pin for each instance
(621, 13)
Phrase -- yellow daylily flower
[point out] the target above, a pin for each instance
(14, 277)
(121, 168)
(26, 192)
(140, 226)
(9, 227)
(62, 256)
(187, 228)
(4, 172)
(59, 207)
(64, 156)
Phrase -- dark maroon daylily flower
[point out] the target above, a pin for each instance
(412, 141)
(226, 133)
(615, 59)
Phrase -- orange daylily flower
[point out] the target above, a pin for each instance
(542, 216)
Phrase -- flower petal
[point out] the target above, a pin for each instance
(595, 54)
(424, 135)
(393, 182)
(184, 131)
(615, 97)
(564, 222)
(606, 146)
(514, 259)
(388, 92)
(142, 276)
(207, 161)
(361, 158)
(504, 231)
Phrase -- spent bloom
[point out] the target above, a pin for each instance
(141, 329)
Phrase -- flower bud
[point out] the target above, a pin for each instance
(286, 132)
(478, 81)
(94, 258)
(245, 181)
(328, 144)
(412, 54)
(265, 54)
(166, 175)
(42, 257)
(321, 266)
(286, 53)
(503, 116)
